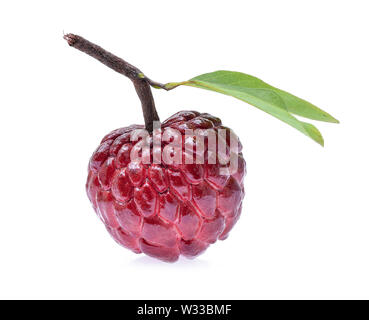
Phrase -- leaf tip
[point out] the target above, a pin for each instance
(331, 119)
(319, 141)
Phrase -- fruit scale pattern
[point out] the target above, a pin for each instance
(164, 210)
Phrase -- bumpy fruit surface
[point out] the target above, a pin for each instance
(165, 210)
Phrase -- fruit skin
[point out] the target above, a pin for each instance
(164, 210)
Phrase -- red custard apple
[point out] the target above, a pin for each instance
(166, 208)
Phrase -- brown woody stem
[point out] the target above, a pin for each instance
(141, 83)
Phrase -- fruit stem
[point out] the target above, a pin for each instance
(140, 82)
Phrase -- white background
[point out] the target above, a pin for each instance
(304, 231)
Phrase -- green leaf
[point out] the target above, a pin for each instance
(254, 91)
